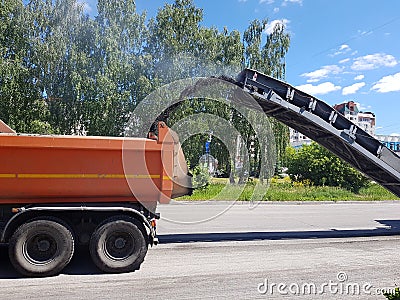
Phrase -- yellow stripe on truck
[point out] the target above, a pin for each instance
(8, 175)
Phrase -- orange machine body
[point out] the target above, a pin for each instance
(52, 169)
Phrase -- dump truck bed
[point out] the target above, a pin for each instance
(44, 169)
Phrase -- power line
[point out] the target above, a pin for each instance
(365, 33)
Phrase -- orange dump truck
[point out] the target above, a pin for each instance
(57, 192)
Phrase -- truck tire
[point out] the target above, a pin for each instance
(118, 246)
(41, 248)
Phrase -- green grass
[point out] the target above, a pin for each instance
(283, 190)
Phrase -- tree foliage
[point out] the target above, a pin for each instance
(317, 165)
(269, 59)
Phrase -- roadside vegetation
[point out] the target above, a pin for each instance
(287, 190)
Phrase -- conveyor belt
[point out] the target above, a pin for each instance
(323, 124)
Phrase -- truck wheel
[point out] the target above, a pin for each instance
(118, 246)
(41, 248)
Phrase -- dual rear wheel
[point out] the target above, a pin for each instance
(41, 248)
(44, 247)
(118, 246)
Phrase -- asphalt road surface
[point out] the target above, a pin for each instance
(220, 251)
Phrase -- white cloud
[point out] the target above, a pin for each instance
(373, 61)
(342, 49)
(268, 1)
(271, 25)
(276, 10)
(352, 89)
(324, 72)
(361, 107)
(388, 84)
(359, 77)
(344, 60)
(395, 134)
(285, 2)
(354, 52)
(365, 32)
(242, 0)
(320, 89)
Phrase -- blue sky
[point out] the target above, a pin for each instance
(340, 49)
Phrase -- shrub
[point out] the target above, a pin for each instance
(316, 165)
(201, 177)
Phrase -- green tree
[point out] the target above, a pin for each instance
(274, 52)
(316, 164)
(120, 77)
(57, 56)
(172, 41)
(269, 59)
(21, 105)
(182, 48)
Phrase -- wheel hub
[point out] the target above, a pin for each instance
(120, 243)
(43, 245)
